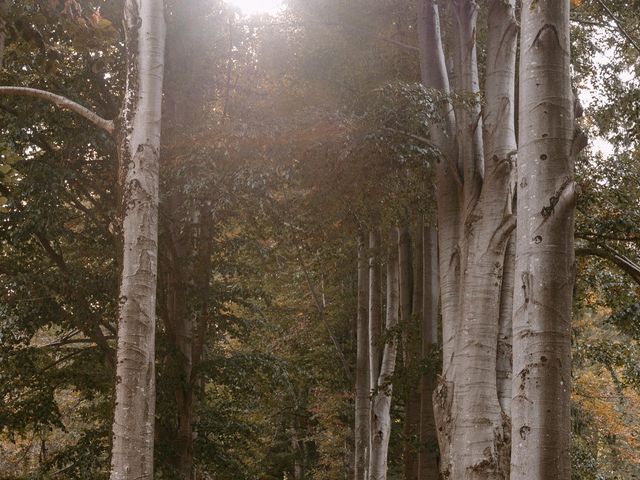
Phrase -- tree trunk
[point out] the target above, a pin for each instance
(381, 418)
(375, 308)
(474, 196)
(412, 358)
(134, 416)
(545, 269)
(504, 363)
(363, 388)
(4, 10)
(428, 456)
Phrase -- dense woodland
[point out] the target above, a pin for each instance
(320, 244)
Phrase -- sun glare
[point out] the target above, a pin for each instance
(255, 7)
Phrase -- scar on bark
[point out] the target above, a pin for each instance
(527, 280)
(560, 194)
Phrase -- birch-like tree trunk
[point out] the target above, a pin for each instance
(363, 387)
(134, 416)
(381, 409)
(427, 456)
(474, 196)
(544, 247)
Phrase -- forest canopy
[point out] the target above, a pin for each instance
(320, 240)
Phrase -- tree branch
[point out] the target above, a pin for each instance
(61, 102)
(624, 263)
(619, 24)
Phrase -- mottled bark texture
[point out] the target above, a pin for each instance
(363, 388)
(475, 218)
(381, 408)
(134, 416)
(544, 276)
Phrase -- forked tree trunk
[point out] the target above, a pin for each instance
(428, 454)
(381, 418)
(134, 416)
(474, 196)
(363, 388)
(545, 251)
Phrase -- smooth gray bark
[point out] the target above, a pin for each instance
(363, 388)
(504, 363)
(474, 196)
(541, 407)
(134, 416)
(381, 409)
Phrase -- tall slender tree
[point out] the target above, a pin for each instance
(427, 455)
(138, 138)
(383, 394)
(363, 388)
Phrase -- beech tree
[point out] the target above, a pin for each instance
(545, 268)
(475, 191)
(138, 138)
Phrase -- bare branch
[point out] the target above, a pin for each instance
(61, 102)
(619, 24)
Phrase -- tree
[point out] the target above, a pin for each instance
(139, 151)
(474, 195)
(545, 270)
(138, 137)
(363, 389)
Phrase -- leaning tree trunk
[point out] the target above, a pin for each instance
(363, 388)
(381, 418)
(428, 456)
(545, 269)
(134, 416)
(474, 196)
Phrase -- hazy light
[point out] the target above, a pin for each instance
(253, 7)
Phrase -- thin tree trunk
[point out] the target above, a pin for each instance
(404, 259)
(375, 308)
(363, 387)
(134, 416)
(4, 11)
(428, 455)
(412, 400)
(381, 418)
(541, 410)
(504, 363)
